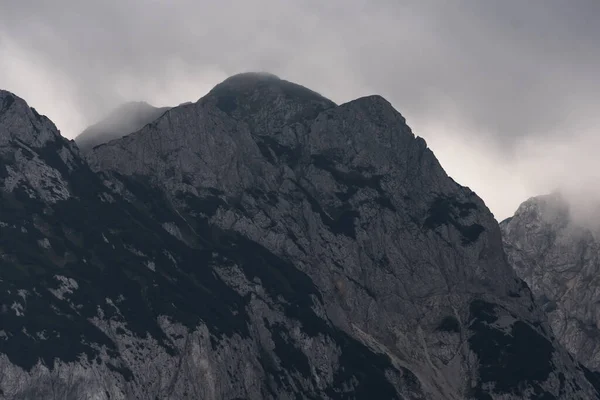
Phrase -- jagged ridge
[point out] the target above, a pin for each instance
(286, 247)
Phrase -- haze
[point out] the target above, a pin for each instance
(504, 92)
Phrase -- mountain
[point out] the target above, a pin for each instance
(123, 120)
(261, 243)
(559, 258)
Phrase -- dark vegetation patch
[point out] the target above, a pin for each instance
(349, 178)
(541, 394)
(252, 100)
(447, 211)
(279, 277)
(50, 154)
(340, 223)
(276, 153)
(189, 292)
(449, 324)
(6, 160)
(208, 205)
(124, 371)
(360, 367)
(298, 92)
(260, 195)
(361, 286)
(548, 305)
(292, 358)
(362, 373)
(28, 154)
(8, 101)
(227, 102)
(310, 112)
(66, 336)
(593, 378)
(562, 380)
(353, 180)
(510, 362)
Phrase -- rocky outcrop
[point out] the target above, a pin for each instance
(123, 120)
(264, 242)
(559, 258)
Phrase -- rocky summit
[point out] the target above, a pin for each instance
(260, 243)
(123, 120)
(558, 255)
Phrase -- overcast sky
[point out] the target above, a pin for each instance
(504, 91)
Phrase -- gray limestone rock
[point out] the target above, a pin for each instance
(262, 243)
(559, 258)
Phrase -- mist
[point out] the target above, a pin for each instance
(503, 92)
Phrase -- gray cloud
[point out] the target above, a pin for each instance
(504, 92)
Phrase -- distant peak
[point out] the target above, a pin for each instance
(133, 106)
(550, 208)
(555, 198)
(121, 121)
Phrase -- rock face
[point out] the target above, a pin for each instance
(262, 243)
(559, 258)
(123, 120)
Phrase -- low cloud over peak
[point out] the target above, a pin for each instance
(503, 92)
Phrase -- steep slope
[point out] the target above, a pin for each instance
(123, 120)
(403, 260)
(100, 300)
(559, 258)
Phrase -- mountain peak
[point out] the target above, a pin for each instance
(251, 83)
(125, 119)
(251, 78)
(20, 122)
(307, 249)
(6, 99)
(9, 100)
(547, 207)
(266, 102)
(554, 246)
